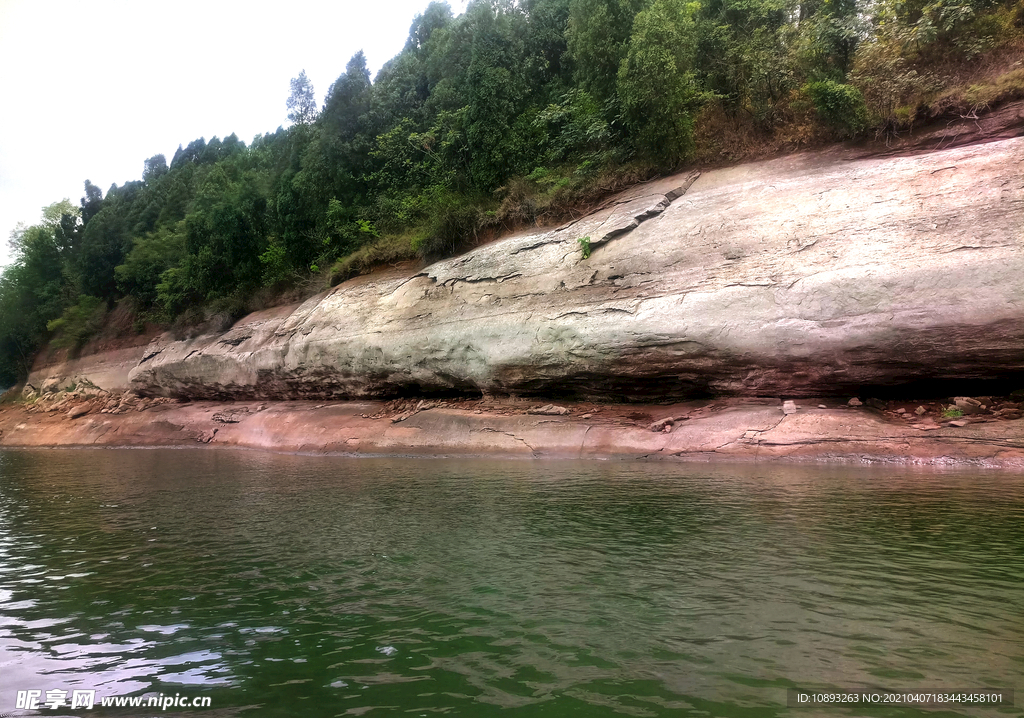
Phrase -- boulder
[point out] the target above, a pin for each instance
(548, 410)
(80, 410)
(205, 437)
(231, 416)
(662, 424)
(51, 385)
(967, 405)
(801, 276)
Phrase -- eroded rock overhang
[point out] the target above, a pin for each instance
(804, 275)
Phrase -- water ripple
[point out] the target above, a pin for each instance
(283, 585)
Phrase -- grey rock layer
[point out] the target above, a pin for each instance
(797, 276)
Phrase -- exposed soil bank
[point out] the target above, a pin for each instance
(731, 429)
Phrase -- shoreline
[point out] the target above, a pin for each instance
(747, 281)
(722, 430)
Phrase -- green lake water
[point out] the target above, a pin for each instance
(312, 586)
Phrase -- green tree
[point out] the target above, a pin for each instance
(437, 16)
(92, 202)
(155, 168)
(547, 64)
(190, 153)
(348, 100)
(63, 220)
(829, 33)
(150, 257)
(744, 55)
(334, 160)
(501, 136)
(33, 291)
(105, 241)
(660, 114)
(597, 35)
(225, 234)
(302, 100)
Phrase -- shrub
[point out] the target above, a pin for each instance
(276, 267)
(1008, 86)
(389, 249)
(841, 107)
(518, 202)
(577, 130)
(892, 86)
(78, 322)
(452, 225)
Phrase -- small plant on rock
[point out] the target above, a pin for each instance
(585, 246)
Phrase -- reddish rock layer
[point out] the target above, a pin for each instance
(734, 429)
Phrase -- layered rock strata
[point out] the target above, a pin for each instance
(735, 429)
(804, 275)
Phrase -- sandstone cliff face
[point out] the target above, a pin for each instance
(803, 275)
(108, 369)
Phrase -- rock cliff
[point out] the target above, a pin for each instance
(798, 276)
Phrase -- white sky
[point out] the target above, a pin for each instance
(90, 89)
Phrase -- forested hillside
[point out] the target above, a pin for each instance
(512, 113)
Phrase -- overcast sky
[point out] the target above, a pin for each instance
(92, 88)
